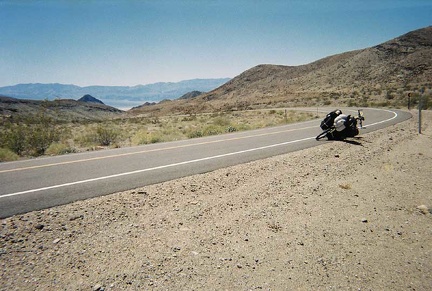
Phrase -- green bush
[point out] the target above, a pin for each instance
(59, 149)
(6, 155)
(41, 138)
(212, 130)
(195, 134)
(231, 129)
(106, 135)
(14, 138)
(155, 138)
(143, 137)
(32, 138)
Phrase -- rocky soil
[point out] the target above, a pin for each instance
(344, 215)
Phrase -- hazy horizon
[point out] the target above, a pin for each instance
(122, 97)
(136, 85)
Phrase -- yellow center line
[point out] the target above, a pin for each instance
(149, 151)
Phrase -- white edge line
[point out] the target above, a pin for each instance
(376, 123)
(151, 169)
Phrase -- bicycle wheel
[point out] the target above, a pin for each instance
(322, 134)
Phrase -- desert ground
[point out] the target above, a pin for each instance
(352, 215)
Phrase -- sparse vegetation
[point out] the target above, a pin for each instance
(6, 155)
(106, 135)
(57, 148)
(41, 133)
(39, 136)
(30, 137)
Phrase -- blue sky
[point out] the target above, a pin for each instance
(141, 42)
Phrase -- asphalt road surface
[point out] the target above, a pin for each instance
(50, 181)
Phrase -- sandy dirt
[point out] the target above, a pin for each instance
(344, 216)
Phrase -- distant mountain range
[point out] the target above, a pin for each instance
(122, 97)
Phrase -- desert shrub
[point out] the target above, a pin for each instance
(59, 149)
(140, 137)
(195, 134)
(106, 135)
(138, 120)
(32, 138)
(212, 130)
(231, 129)
(40, 138)
(155, 138)
(88, 138)
(6, 155)
(171, 131)
(221, 121)
(389, 96)
(144, 137)
(189, 118)
(102, 134)
(155, 120)
(14, 138)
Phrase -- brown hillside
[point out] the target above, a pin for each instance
(377, 76)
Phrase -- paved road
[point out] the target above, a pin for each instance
(45, 182)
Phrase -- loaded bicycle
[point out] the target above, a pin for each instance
(338, 126)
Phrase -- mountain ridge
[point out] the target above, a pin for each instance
(381, 75)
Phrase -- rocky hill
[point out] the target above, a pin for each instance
(381, 75)
(191, 94)
(60, 110)
(89, 98)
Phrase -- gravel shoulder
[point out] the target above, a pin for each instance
(344, 215)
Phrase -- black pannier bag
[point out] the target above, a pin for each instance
(329, 119)
(351, 127)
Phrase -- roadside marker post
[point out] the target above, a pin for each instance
(409, 101)
(420, 109)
